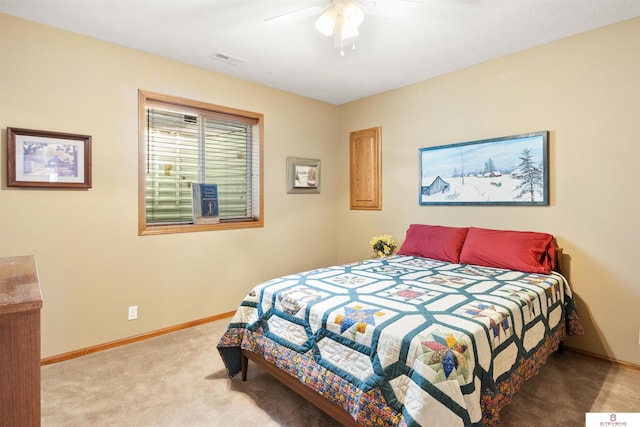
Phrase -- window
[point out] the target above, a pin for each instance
(183, 142)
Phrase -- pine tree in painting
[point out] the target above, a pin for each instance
(489, 166)
(531, 176)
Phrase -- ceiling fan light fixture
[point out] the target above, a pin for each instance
(326, 22)
(341, 20)
(352, 15)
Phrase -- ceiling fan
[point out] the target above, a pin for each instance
(341, 18)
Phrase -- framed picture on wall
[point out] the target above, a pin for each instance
(38, 158)
(511, 170)
(303, 175)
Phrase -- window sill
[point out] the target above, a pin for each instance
(152, 230)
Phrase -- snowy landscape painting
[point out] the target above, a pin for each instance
(510, 170)
(38, 158)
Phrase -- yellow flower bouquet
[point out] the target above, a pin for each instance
(383, 245)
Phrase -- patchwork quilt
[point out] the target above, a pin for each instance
(406, 341)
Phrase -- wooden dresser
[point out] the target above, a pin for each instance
(20, 304)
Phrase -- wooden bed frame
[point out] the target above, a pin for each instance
(329, 407)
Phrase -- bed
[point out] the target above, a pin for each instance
(444, 332)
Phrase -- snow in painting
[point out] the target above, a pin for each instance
(506, 170)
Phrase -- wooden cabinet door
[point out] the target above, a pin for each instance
(365, 161)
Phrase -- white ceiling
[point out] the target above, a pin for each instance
(423, 38)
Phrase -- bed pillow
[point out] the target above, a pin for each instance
(514, 250)
(434, 241)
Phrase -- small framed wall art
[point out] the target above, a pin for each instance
(38, 158)
(303, 175)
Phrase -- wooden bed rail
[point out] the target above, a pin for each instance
(327, 406)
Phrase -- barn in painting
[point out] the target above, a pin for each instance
(438, 185)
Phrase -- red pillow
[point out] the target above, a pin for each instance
(514, 250)
(434, 241)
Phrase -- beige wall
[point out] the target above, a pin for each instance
(92, 263)
(586, 91)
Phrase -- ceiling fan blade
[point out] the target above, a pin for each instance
(295, 15)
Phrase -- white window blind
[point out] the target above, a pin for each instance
(187, 145)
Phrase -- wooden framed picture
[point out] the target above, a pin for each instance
(511, 170)
(38, 158)
(303, 175)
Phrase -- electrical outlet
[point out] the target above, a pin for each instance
(133, 312)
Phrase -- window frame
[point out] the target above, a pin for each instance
(144, 229)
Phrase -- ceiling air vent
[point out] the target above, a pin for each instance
(231, 60)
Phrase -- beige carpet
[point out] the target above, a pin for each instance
(178, 380)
